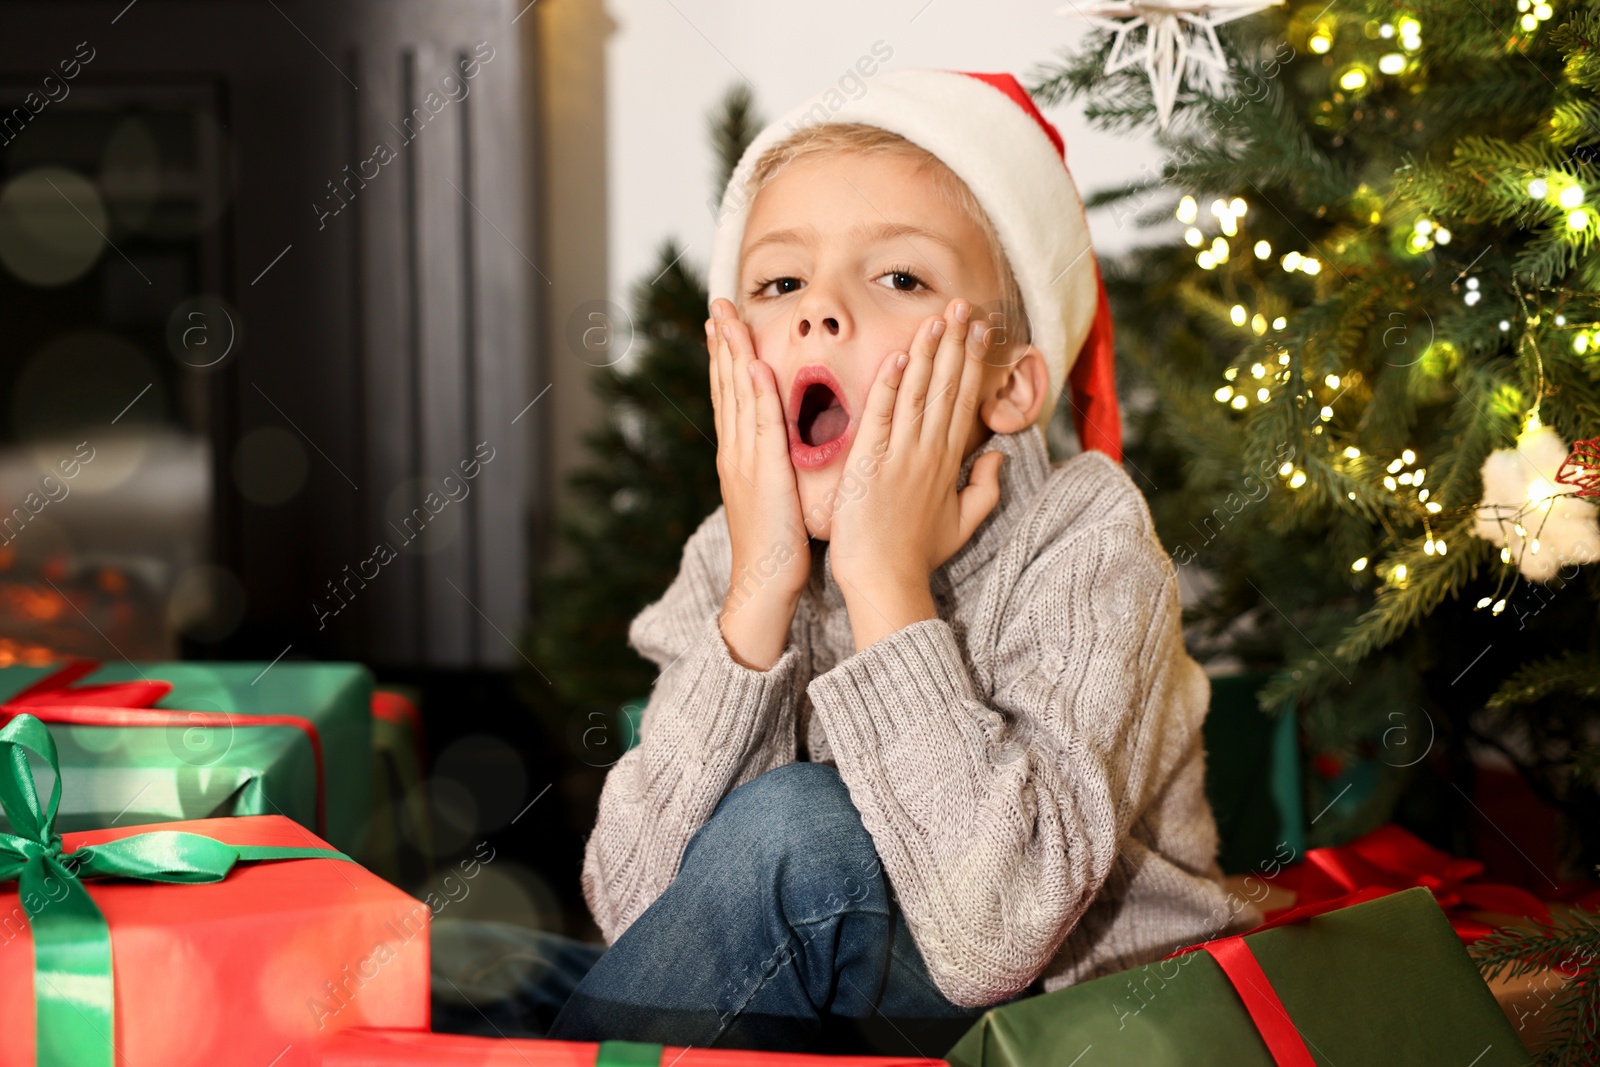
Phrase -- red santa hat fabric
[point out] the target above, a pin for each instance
(986, 129)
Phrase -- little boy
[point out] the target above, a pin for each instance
(925, 738)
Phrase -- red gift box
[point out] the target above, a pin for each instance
(255, 969)
(356, 1048)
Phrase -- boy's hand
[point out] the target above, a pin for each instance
(771, 551)
(898, 516)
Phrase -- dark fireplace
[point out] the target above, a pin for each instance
(268, 286)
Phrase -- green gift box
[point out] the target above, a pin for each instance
(1386, 981)
(239, 738)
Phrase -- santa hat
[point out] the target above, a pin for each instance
(985, 128)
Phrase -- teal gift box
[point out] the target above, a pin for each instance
(229, 738)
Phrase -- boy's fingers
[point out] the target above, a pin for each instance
(912, 393)
(947, 365)
(739, 369)
(720, 401)
(878, 418)
(768, 412)
(981, 494)
(974, 359)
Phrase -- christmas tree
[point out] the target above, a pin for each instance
(1354, 381)
(651, 480)
(1388, 273)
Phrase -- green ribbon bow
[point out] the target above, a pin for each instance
(72, 991)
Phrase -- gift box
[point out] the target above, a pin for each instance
(355, 1048)
(399, 844)
(212, 941)
(1252, 775)
(1383, 981)
(153, 742)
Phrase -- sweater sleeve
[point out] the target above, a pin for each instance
(998, 817)
(711, 724)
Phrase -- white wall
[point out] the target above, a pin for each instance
(670, 61)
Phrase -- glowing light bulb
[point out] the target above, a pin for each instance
(1188, 210)
(1258, 324)
(1433, 507)
(1395, 465)
(1392, 63)
(1239, 402)
(1578, 219)
(1352, 79)
(1538, 188)
(1257, 370)
(1193, 237)
(1263, 249)
(1279, 323)
(1399, 572)
(1408, 456)
(1321, 44)
(1206, 260)
(1359, 565)
(1388, 482)
(1224, 394)
(1297, 479)
(1238, 314)
(1230, 225)
(1331, 381)
(1291, 260)
(1238, 206)
(1571, 196)
(1352, 452)
(1263, 394)
(1310, 266)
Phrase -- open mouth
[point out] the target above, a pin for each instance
(820, 429)
(822, 417)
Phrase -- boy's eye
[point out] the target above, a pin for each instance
(762, 287)
(901, 281)
(901, 275)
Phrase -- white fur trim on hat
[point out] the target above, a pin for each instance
(1003, 156)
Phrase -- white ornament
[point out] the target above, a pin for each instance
(1180, 38)
(1542, 524)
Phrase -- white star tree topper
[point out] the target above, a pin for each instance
(1180, 38)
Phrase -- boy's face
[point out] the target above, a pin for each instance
(843, 257)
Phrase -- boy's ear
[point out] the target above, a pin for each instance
(1016, 396)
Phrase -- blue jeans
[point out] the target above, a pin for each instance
(780, 932)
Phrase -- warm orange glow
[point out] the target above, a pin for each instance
(17, 653)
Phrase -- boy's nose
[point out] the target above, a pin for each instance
(828, 323)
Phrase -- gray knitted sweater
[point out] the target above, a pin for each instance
(1029, 764)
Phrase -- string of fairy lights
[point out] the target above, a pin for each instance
(1271, 379)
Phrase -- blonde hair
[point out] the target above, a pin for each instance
(844, 137)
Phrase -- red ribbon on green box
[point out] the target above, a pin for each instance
(1387, 860)
(73, 997)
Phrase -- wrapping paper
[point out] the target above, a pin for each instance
(1385, 981)
(185, 766)
(258, 968)
(395, 1049)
